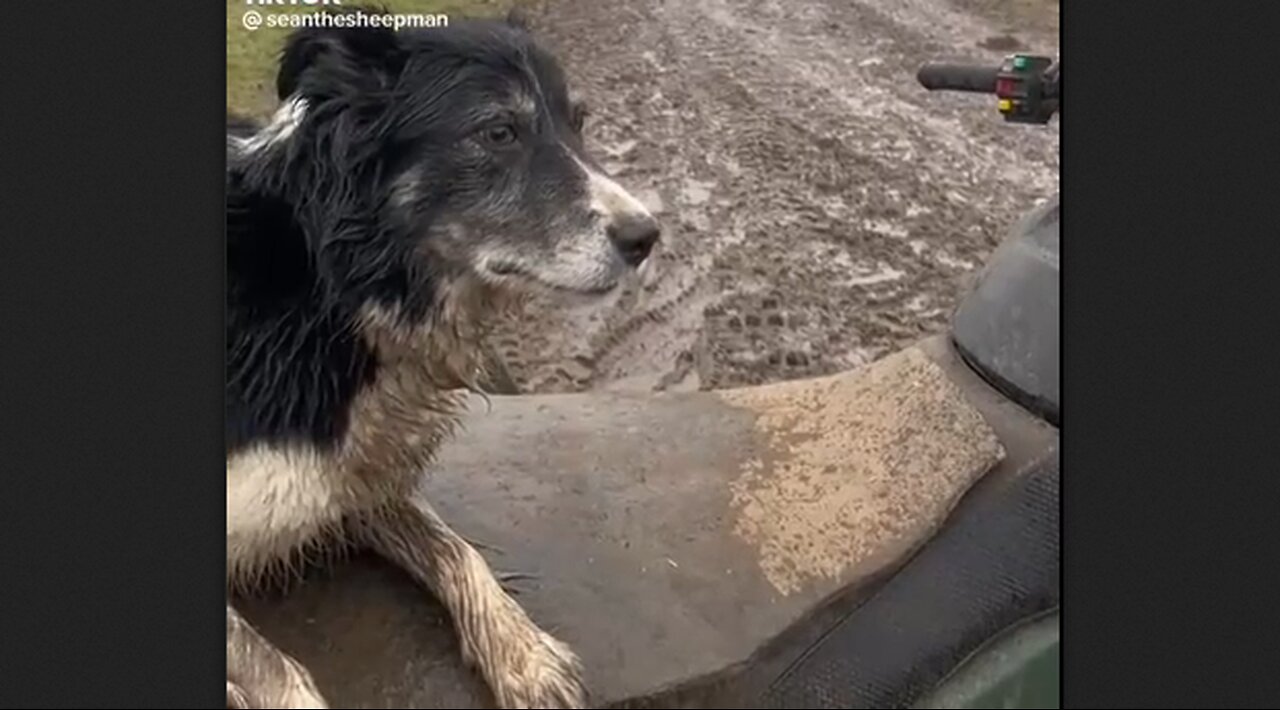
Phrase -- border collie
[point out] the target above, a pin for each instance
(410, 185)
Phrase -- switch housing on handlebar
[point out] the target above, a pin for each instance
(1024, 94)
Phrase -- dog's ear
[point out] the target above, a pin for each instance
(327, 61)
(518, 18)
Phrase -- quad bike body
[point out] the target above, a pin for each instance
(884, 537)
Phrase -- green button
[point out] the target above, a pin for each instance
(1019, 62)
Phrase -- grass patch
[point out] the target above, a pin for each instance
(252, 54)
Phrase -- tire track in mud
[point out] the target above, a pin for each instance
(820, 209)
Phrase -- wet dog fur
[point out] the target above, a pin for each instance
(410, 186)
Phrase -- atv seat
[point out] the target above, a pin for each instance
(692, 547)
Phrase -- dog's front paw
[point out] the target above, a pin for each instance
(237, 697)
(292, 688)
(537, 670)
(260, 675)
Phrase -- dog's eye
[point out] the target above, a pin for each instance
(500, 135)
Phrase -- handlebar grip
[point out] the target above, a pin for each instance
(958, 77)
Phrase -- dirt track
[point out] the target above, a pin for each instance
(820, 208)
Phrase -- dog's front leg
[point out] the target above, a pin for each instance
(524, 666)
(259, 675)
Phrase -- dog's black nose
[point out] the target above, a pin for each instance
(634, 236)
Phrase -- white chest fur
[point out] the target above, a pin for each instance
(279, 500)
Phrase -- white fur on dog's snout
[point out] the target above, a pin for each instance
(610, 200)
(589, 259)
(583, 260)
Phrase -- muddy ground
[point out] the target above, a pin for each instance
(820, 209)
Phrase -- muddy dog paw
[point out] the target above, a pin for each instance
(293, 689)
(529, 668)
(237, 697)
(259, 675)
(545, 673)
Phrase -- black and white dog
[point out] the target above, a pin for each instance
(411, 184)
